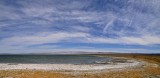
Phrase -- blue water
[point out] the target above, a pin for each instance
(52, 59)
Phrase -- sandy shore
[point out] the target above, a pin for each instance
(149, 69)
(59, 67)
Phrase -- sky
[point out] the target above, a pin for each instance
(49, 26)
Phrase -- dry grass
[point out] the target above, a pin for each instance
(149, 71)
(31, 74)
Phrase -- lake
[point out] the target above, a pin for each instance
(53, 59)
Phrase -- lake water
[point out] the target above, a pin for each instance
(52, 59)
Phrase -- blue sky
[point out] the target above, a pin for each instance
(48, 26)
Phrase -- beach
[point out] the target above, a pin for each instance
(59, 67)
(144, 66)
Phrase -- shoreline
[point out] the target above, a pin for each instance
(149, 68)
(71, 67)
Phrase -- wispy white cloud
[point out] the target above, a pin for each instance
(145, 40)
(90, 21)
(55, 37)
(42, 38)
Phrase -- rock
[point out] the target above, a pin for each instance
(85, 74)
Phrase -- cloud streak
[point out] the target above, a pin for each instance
(42, 38)
(91, 22)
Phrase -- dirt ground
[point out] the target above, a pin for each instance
(150, 70)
